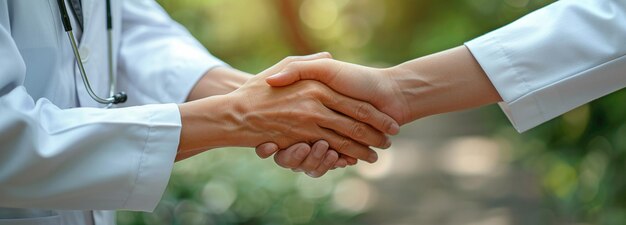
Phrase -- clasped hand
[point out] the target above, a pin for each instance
(359, 82)
(295, 115)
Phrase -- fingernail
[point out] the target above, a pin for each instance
(388, 143)
(312, 174)
(372, 158)
(297, 170)
(324, 144)
(394, 129)
(270, 150)
(276, 75)
(301, 152)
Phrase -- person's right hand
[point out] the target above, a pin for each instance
(364, 83)
(373, 85)
(446, 81)
(305, 112)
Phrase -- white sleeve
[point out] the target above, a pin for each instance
(159, 59)
(555, 59)
(82, 158)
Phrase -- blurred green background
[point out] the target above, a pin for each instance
(462, 168)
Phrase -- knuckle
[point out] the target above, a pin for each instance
(382, 141)
(326, 60)
(358, 130)
(290, 63)
(363, 112)
(308, 89)
(317, 90)
(293, 63)
(289, 59)
(331, 98)
(344, 144)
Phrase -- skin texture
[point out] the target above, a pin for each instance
(447, 81)
(309, 111)
(224, 80)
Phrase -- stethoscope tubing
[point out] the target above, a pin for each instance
(115, 98)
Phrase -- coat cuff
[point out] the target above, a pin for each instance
(528, 105)
(525, 112)
(157, 158)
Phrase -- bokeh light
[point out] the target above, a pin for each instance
(219, 195)
(319, 14)
(354, 195)
(474, 157)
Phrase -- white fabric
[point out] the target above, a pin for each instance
(556, 58)
(59, 150)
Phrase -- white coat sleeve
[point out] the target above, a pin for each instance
(555, 59)
(82, 158)
(159, 59)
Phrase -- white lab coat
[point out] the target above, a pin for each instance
(556, 59)
(61, 154)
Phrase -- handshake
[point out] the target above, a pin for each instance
(314, 113)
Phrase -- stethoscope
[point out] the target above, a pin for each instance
(114, 98)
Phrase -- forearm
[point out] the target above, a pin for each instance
(213, 122)
(218, 81)
(448, 81)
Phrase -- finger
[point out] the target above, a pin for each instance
(349, 147)
(341, 163)
(320, 70)
(328, 162)
(356, 130)
(314, 159)
(288, 60)
(361, 111)
(266, 150)
(351, 161)
(293, 156)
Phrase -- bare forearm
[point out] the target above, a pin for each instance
(218, 81)
(210, 123)
(447, 81)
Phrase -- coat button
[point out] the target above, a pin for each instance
(84, 54)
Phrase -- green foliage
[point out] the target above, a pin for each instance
(580, 158)
(232, 186)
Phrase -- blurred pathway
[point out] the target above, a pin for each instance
(443, 170)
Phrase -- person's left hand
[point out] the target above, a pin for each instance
(279, 115)
(315, 161)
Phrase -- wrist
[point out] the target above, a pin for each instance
(448, 81)
(416, 90)
(212, 122)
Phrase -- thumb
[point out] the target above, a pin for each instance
(320, 69)
(283, 78)
(266, 150)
